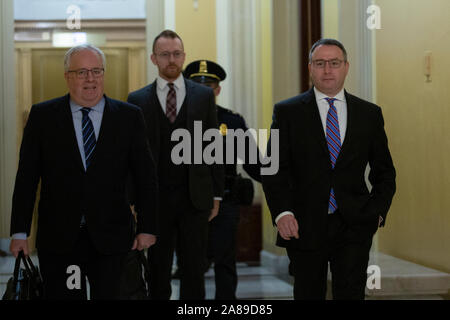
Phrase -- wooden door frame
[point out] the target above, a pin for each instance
(310, 31)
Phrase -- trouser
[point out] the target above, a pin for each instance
(179, 220)
(222, 250)
(64, 275)
(348, 256)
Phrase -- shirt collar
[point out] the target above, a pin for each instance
(319, 95)
(99, 107)
(162, 83)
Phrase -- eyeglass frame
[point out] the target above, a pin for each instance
(87, 72)
(314, 63)
(166, 55)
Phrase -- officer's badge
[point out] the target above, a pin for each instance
(203, 67)
(223, 129)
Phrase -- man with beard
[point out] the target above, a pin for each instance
(223, 229)
(189, 193)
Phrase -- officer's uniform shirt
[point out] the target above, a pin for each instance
(230, 120)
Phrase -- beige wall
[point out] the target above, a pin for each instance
(349, 29)
(330, 19)
(286, 50)
(268, 31)
(197, 28)
(7, 118)
(417, 117)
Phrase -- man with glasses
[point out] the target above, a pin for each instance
(82, 147)
(319, 200)
(189, 192)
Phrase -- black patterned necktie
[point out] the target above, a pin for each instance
(89, 140)
(171, 104)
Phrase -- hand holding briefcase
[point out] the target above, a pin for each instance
(25, 284)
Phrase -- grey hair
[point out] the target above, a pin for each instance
(79, 48)
(327, 42)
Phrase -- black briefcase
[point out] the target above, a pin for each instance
(25, 284)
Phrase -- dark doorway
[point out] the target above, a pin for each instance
(310, 32)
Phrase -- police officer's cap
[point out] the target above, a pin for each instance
(205, 71)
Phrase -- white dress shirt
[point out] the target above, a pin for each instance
(322, 104)
(341, 107)
(162, 89)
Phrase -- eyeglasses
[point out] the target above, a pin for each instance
(166, 55)
(84, 73)
(334, 64)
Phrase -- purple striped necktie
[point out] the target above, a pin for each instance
(334, 145)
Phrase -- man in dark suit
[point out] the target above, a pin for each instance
(82, 147)
(189, 192)
(223, 228)
(319, 199)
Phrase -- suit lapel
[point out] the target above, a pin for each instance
(153, 101)
(67, 131)
(106, 136)
(350, 127)
(190, 108)
(151, 115)
(316, 128)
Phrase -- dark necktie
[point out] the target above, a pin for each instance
(171, 104)
(89, 140)
(334, 145)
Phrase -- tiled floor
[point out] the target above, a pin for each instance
(260, 283)
(406, 281)
(254, 283)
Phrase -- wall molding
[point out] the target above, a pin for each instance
(365, 52)
(359, 42)
(223, 36)
(8, 147)
(238, 53)
(155, 24)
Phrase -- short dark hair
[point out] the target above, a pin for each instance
(328, 42)
(166, 34)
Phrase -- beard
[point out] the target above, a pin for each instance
(172, 71)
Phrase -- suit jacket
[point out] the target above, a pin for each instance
(305, 177)
(50, 153)
(205, 181)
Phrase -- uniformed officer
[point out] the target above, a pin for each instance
(223, 228)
